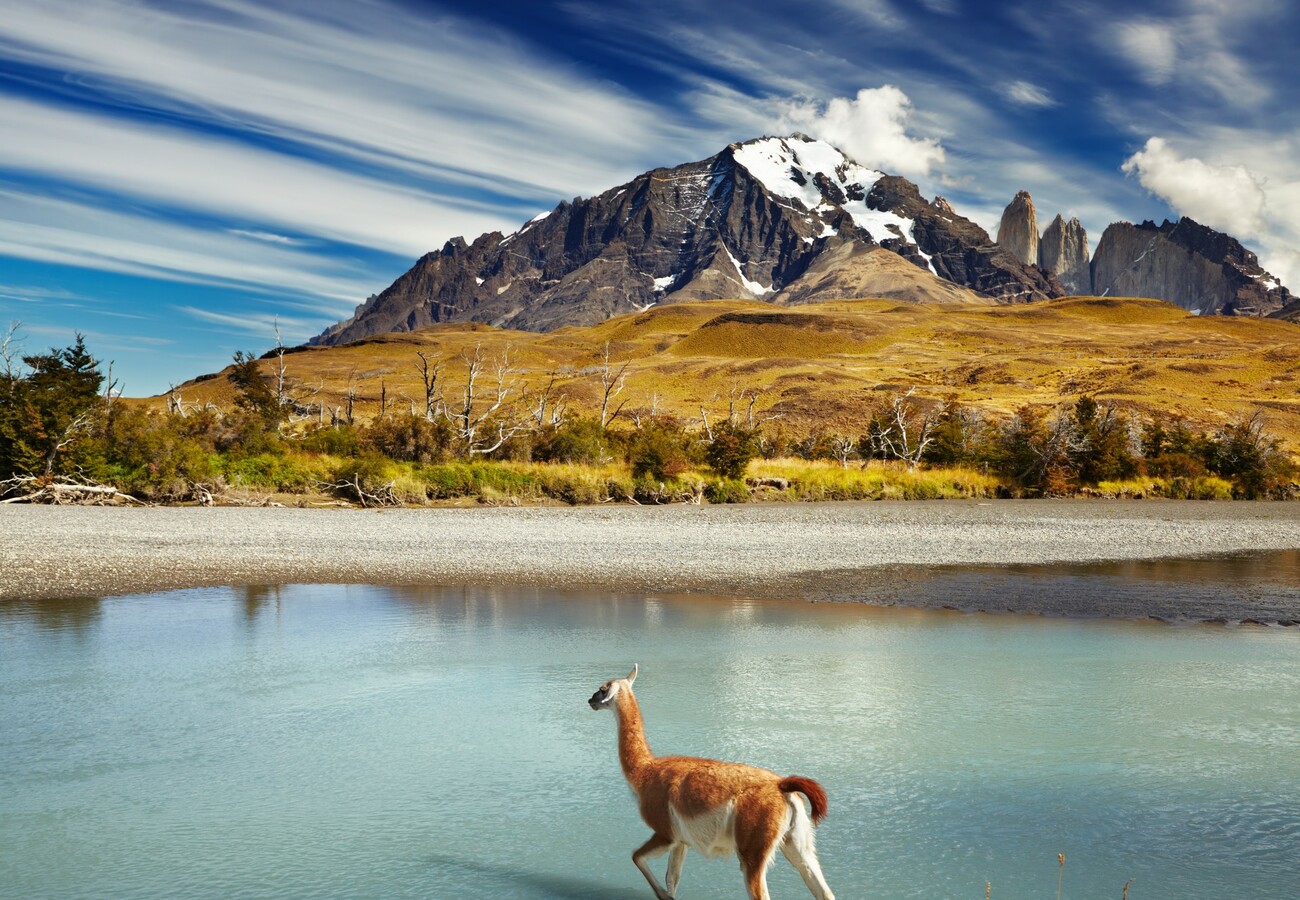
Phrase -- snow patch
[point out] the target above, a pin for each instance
(537, 218)
(929, 259)
(478, 281)
(663, 284)
(752, 286)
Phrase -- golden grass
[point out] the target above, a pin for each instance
(1143, 354)
(827, 480)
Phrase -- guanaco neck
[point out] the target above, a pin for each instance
(633, 751)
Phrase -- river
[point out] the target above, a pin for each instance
(371, 741)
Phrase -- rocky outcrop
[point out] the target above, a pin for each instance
(958, 250)
(1186, 263)
(1063, 252)
(747, 222)
(1018, 230)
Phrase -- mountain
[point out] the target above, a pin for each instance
(1063, 252)
(1018, 230)
(766, 219)
(1198, 268)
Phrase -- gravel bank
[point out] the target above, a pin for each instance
(837, 551)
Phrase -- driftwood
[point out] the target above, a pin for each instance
(384, 495)
(31, 489)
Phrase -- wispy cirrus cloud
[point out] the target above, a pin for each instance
(217, 176)
(87, 236)
(1026, 93)
(435, 96)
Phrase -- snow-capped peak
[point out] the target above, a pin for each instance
(789, 167)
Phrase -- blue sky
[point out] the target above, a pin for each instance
(176, 177)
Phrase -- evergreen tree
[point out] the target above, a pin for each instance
(46, 409)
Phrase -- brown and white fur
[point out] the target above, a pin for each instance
(713, 807)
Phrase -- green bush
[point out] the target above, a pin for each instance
(659, 451)
(576, 441)
(727, 490)
(343, 440)
(730, 451)
(273, 472)
(408, 438)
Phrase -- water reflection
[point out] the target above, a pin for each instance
(256, 597)
(77, 615)
(1259, 588)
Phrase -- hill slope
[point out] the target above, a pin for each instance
(820, 365)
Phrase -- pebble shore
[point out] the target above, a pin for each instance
(810, 552)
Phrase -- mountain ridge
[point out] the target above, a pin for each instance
(746, 223)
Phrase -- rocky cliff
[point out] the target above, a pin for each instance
(1063, 252)
(749, 222)
(1018, 230)
(1186, 263)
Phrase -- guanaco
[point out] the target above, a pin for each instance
(713, 807)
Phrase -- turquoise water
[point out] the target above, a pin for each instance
(393, 742)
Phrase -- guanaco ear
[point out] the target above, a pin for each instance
(632, 677)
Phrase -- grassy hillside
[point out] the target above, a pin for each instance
(821, 365)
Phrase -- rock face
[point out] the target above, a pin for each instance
(1184, 262)
(1063, 252)
(750, 222)
(1018, 231)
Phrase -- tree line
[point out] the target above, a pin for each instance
(60, 418)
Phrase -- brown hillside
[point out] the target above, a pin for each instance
(822, 364)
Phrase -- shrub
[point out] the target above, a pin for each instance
(726, 490)
(659, 451)
(730, 451)
(575, 441)
(343, 440)
(407, 438)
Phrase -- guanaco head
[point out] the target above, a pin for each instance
(607, 692)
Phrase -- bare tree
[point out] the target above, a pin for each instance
(612, 382)
(902, 430)
(642, 413)
(281, 381)
(430, 369)
(9, 348)
(546, 407)
(844, 449)
(175, 402)
(350, 399)
(485, 419)
(704, 420)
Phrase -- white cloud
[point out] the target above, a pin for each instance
(1026, 93)
(1205, 42)
(261, 324)
(214, 176)
(433, 96)
(1227, 198)
(69, 233)
(1255, 198)
(1149, 46)
(871, 128)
